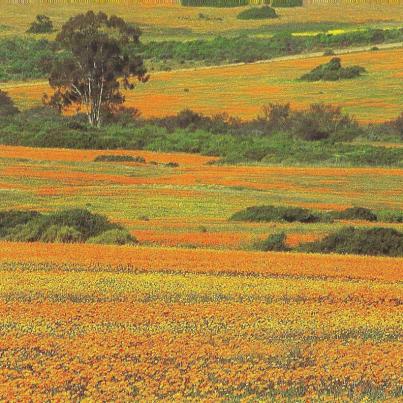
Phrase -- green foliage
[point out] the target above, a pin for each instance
(114, 237)
(96, 65)
(274, 243)
(390, 216)
(75, 225)
(12, 218)
(333, 71)
(356, 213)
(321, 121)
(7, 106)
(274, 140)
(25, 58)
(42, 25)
(274, 213)
(119, 158)
(257, 13)
(287, 3)
(214, 3)
(87, 223)
(373, 241)
(61, 234)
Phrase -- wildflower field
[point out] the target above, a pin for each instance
(244, 89)
(190, 314)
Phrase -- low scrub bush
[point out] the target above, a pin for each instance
(257, 13)
(42, 25)
(373, 241)
(274, 243)
(333, 71)
(7, 107)
(75, 225)
(273, 213)
(10, 219)
(287, 3)
(61, 234)
(214, 3)
(119, 158)
(114, 237)
(390, 216)
(356, 213)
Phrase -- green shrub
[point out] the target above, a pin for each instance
(41, 25)
(85, 222)
(214, 3)
(287, 3)
(61, 234)
(256, 13)
(114, 237)
(119, 158)
(64, 226)
(272, 213)
(356, 213)
(333, 71)
(390, 216)
(374, 241)
(7, 106)
(274, 243)
(12, 218)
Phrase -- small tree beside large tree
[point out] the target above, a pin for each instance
(96, 64)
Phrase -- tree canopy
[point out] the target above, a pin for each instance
(95, 64)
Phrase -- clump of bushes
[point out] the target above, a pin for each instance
(257, 13)
(42, 25)
(273, 213)
(333, 71)
(274, 243)
(356, 213)
(119, 158)
(69, 226)
(214, 3)
(287, 3)
(113, 237)
(7, 107)
(350, 240)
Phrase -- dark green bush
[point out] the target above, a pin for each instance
(333, 71)
(214, 3)
(61, 234)
(274, 243)
(85, 222)
(257, 13)
(119, 158)
(356, 213)
(7, 107)
(12, 218)
(374, 241)
(73, 225)
(273, 213)
(41, 25)
(287, 3)
(114, 237)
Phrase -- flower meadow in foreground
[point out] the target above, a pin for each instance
(84, 326)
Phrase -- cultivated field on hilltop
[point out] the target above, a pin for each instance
(172, 21)
(243, 89)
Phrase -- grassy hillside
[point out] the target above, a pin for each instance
(163, 21)
(242, 90)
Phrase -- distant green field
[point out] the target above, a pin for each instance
(172, 21)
